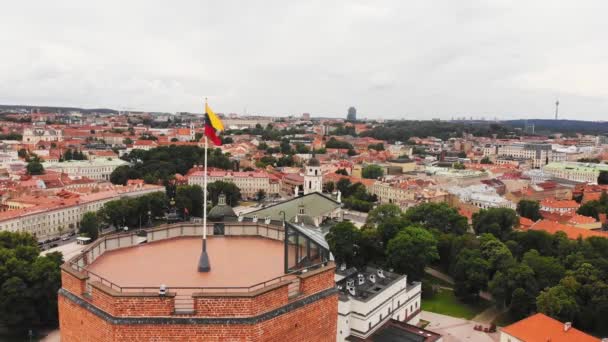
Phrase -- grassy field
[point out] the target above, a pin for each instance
(444, 302)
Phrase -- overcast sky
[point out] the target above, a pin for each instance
(389, 59)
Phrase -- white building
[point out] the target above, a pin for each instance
(37, 134)
(540, 154)
(371, 297)
(481, 196)
(248, 182)
(579, 172)
(63, 215)
(98, 169)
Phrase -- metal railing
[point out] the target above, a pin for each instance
(183, 296)
(293, 290)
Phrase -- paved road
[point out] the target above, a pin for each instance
(53, 336)
(456, 329)
(438, 274)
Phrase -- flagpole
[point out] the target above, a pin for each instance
(205, 199)
(203, 263)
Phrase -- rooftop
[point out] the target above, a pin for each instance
(363, 284)
(235, 262)
(539, 327)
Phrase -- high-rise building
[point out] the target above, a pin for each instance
(352, 114)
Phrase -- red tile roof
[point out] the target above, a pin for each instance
(543, 328)
(572, 232)
(558, 204)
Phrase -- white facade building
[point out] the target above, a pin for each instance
(65, 215)
(98, 169)
(248, 182)
(370, 298)
(540, 154)
(37, 134)
(481, 196)
(578, 172)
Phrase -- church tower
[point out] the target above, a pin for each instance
(192, 131)
(313, 180)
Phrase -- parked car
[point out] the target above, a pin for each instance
(53, 245)
(65, 238)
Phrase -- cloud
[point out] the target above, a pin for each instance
(390, 59)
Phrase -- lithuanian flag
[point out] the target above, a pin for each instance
(213, 125)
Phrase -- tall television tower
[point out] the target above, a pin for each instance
(556, 108)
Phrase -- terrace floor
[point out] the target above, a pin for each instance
(235, 262)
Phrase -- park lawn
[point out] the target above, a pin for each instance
(445, 302)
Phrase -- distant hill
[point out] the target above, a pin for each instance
(51, 109)
(563, 126)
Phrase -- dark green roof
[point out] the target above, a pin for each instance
(315, 204)
(220, 211)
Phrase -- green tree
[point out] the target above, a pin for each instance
(22, 153)
(343, 186)
(260, 195)
(470, 274)
(342, 172)
(230, 190)
(34, 167)
(382, 213)
(522, 303)
(438, 216)
(189, 197)
(68, 155)
(547, 269)
(333, 143)
(529, 209)
(285, 146)
(377, 147)
(496, 253)
(89, 225)
(459, 166)
(560, 301)
(496, 221)
(411, 250)
(592, 209)
(486, 160)
(602, 179)
(372, 171)
(330, 187)
(28, 284)
(114, 213)
(122, 174)
(343, 240)
(262, 146)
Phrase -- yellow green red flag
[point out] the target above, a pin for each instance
(214, 120)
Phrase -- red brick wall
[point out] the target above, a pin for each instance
(131, 306)
(71, 283)
(315, 282)
(80, 325)
(313, 322)
(230, 306)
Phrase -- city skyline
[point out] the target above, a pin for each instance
(390, 60)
